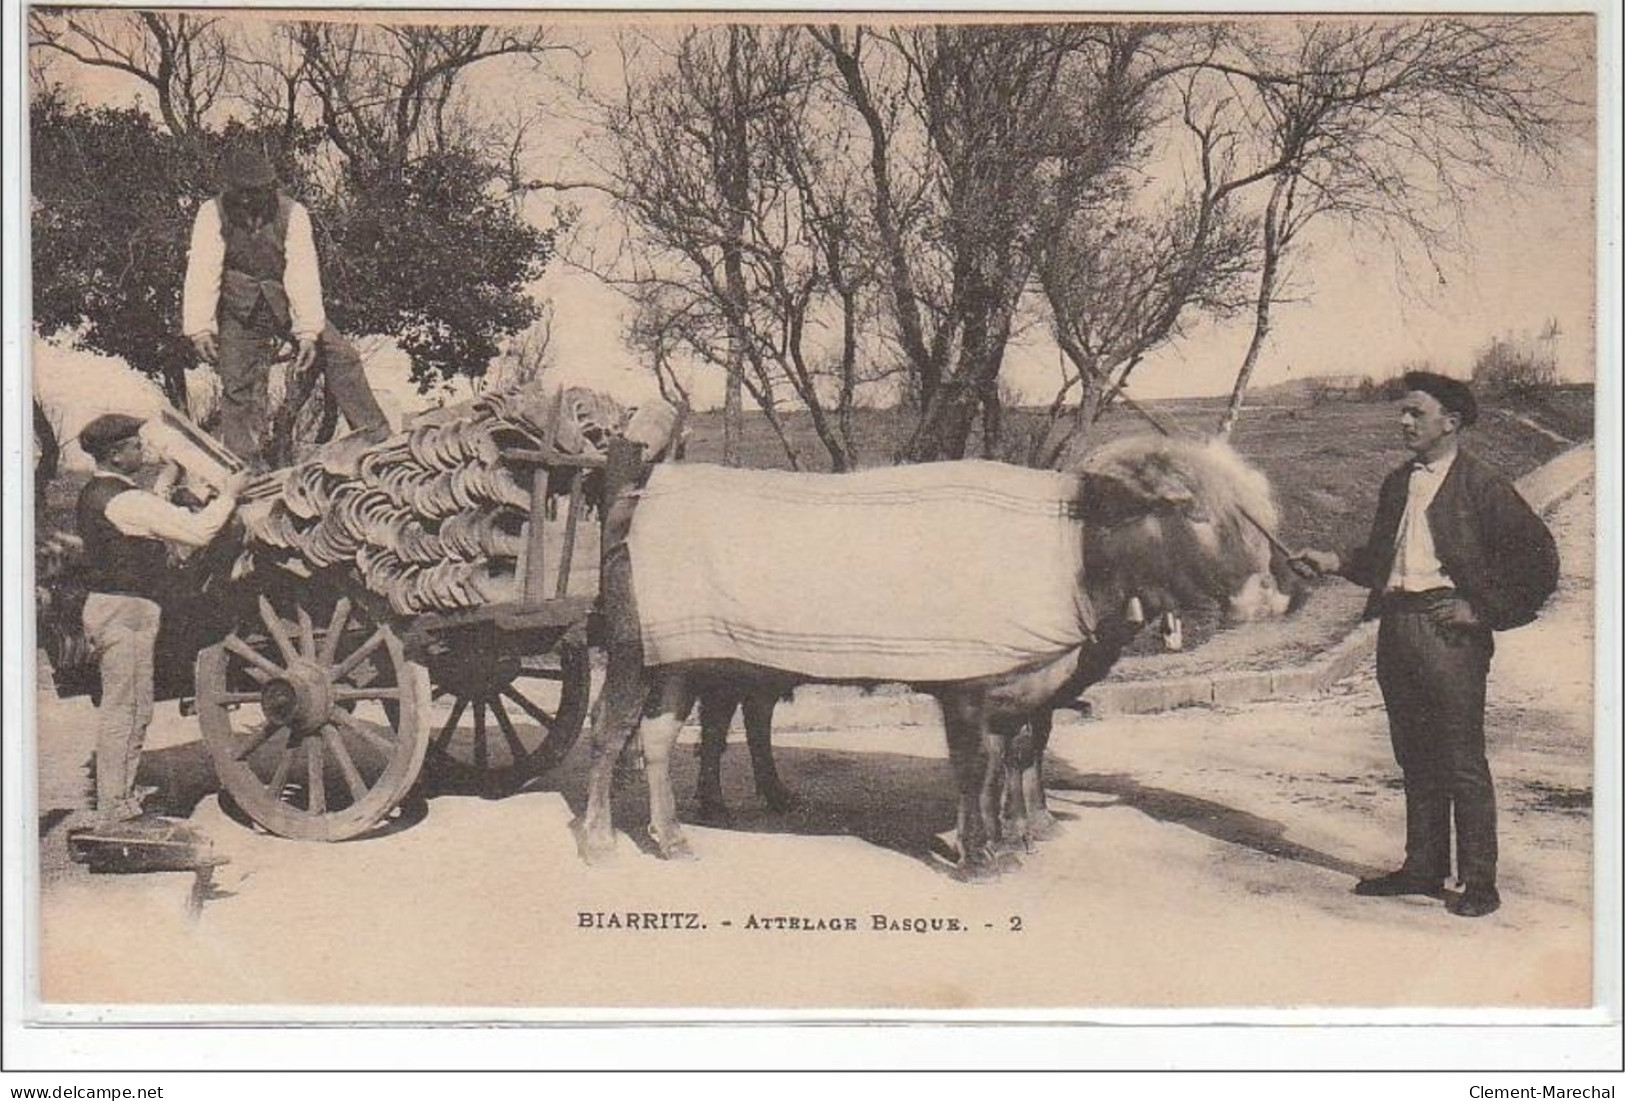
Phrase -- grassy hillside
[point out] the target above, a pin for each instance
(1325, 461)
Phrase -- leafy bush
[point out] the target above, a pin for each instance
(430, 253)
(1516, 365)
(1391, 388)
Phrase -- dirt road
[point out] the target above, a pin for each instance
(1205, 858)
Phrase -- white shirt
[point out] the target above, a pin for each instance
(1416, 563)
(143, 515)
(206, 258)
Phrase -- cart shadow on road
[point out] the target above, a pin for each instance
(184, 776)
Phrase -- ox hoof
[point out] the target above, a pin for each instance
(1042, 825)
(595, 852)
(981, 872)
(986, 866)
(674, 847)
(1015, 841)
(595, 846)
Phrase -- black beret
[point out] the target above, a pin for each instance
(99, 436)
(247, 167)
(1452, 393)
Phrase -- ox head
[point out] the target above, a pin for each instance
(1176, 524)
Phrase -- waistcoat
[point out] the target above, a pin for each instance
(115, 562)
(251, 287)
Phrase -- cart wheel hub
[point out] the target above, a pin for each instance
(302, 700)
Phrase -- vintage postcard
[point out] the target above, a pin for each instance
(586, 516)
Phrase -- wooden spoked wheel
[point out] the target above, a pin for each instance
(316, 733)
(498, 720)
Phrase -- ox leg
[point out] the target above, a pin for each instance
(659, 735)
(1040, 822)
(1026, 815)
(990, 797)
(717, 708)
(619, 704)
(967, 752)
(758, 707)
(1015, 821)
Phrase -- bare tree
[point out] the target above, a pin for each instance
(1390, 126)
(979, 140)
(47, 456)
(655, 331)
(387, 92)
(751, 243)
(1121, 284)
(183, 57)
(527, 356)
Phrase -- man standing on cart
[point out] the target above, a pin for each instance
(127, 532)
(253, 285)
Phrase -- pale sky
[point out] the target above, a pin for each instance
(1529, 258)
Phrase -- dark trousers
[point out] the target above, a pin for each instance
(246, 353)
(1432, 679)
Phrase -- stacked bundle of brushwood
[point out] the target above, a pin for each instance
(433, 518)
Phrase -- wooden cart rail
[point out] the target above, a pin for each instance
(320, 711)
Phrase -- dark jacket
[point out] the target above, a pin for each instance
(1499, 555)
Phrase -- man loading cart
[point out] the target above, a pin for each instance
(127, 533)
(252, 285)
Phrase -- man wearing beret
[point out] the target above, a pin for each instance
(252, 284)
(1454, 554)
(127, 531)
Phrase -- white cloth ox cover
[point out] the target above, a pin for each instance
(932, 572)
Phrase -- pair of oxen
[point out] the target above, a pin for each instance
(1166, 524)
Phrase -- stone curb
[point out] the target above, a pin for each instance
(822, 707)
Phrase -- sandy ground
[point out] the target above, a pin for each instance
(1205, 858)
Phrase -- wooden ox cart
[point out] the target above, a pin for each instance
(320, 704)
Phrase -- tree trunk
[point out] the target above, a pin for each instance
(1273, 245)
(849, 375)
(950, 408)
(1068, 431)
(735, 187)
(945, 424)
(173, 379)
(733, 413)
(49, 460)
(992, 420)
(839, 460)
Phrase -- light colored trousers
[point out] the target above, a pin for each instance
(124, 631)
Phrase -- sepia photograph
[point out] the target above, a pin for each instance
(560, 516)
